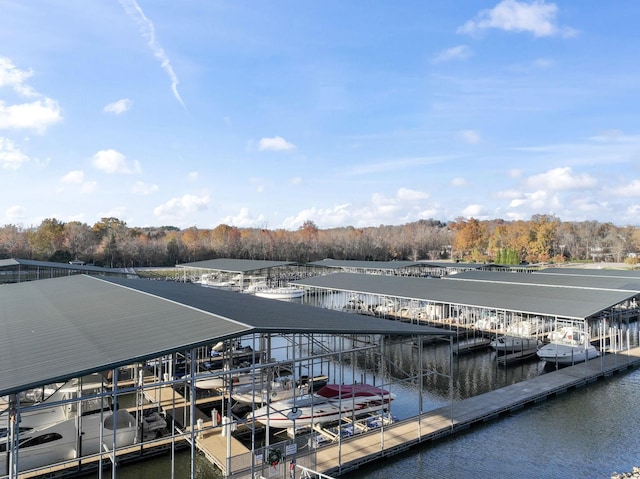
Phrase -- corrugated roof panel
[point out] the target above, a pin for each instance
(614, 273)
(540, 300)
(55, 329)
(372, 265)
(559, 280)
(235, 265)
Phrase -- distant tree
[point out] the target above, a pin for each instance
(47, 238)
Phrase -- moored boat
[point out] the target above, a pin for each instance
(329, 404)
(568, 346)
(282, 292)
(512, 344)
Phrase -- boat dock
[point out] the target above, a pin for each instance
(461, 415)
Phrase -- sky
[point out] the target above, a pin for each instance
(344, 113)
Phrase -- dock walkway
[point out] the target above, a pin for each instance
(210, 441)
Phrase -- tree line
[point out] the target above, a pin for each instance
(112, 243)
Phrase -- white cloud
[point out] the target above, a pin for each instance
(536, 17)
(459, 181)
(470, 136)
(460, 52)
(148, 30)
(15, 78)
(37, 115)
(88, 187)
(193, 176)
(393, 165)
(277, 143)
(337, 216)
(74, 177)
(244, 220)
(112, 161)
(296, 180)
(118, 107)
(528, 204)
(631, 189)
(406, 194)
(177, 208)
(11, 157)
(475, 211)
(143, 189)
(15, 212)
(405, 206)
(561, 179)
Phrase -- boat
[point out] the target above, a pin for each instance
(331, 403)
(50, 431)
(527, 328)
(355, 304)
(263, 290)
(279, 389)
(214, 280)
(512, 344)
(281, 292)
(568, 345)
(62, 441)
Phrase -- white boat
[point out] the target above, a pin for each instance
(526, 328)
(568, 346)
(511, 344)
(262, 392)
(50, 433)
(282, 292)
(61, 441)
(331, 403)
(213, 280)
(280, 389)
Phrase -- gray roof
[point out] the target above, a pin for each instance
(558, 280)
(347, 263)
(455, 265)
(539, 300)
(56, 329)
(593, 272)
(7, 263)
(235, 265)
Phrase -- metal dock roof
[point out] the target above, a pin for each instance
(231, 265)
(56, 329)
(539, 300)
(370, 265)
(558, 280)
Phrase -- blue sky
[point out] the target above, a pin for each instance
(356, 113)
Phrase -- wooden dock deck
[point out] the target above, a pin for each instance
(211, 441)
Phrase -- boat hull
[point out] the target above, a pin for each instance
(565, 354)
(512, 344)
(280, 293)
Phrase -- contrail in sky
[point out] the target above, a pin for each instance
(147, 29)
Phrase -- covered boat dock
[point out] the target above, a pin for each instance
(152, 341)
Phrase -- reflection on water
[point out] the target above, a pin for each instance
(588, 433)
